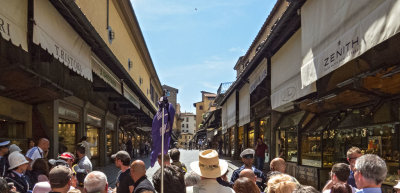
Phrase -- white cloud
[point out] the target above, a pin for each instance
(237, 49)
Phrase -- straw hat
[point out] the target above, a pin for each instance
(209, 165)
(397, 186)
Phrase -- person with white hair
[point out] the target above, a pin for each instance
(96, 181)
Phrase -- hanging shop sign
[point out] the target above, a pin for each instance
(93, 120)
(68, 113)
(128, 94)
(258, 75)
(244, 105)
(55, 35)
(287, 88)
(231, 110)
(13, 22)
(101, 70)
(335, 32)
(110, 125)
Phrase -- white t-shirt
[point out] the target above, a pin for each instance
(87, 146)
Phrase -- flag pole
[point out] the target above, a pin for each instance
(162, 147)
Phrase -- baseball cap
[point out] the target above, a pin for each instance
(66, 155)
(59, 176)
(247, 153)
(121, 155)
(58, 162)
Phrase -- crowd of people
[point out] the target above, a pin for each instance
(33, 173)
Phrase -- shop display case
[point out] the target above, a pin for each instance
(109, 144)
(93, 138)
(292, 144)
(67, 130)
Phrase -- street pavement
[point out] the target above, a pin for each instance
(187, 156)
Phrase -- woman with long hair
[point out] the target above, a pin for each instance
(39, 172)
(245, 185)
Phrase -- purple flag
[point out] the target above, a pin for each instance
(169, 114)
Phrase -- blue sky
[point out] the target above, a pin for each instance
(195, 44)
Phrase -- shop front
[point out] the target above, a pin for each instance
(93, 132)
(68, 126)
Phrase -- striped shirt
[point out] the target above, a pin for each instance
(34, 153)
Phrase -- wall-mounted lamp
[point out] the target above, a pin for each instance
(130, 63)
(111, 34)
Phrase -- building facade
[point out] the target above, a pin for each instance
(75, 68)
(205, 105)
(315, 91)
(188, 123)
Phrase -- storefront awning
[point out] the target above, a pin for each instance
(55, 35)
(128, 94)
(231, 110)
(101, 70)
(285, 75)
(258, 75)
(244, 105)
(336, 32)
(224, 118)
(13, 22)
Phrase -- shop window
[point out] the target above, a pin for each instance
(14, 131)
(109, 142)
(93, 138)
(241, 138)
(67, 130)
(311, 148)
(250, 138)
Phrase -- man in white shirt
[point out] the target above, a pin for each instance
(84, 161)
(209, 167)
(38, 151)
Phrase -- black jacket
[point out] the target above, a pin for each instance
(143, 184)
(21, 183)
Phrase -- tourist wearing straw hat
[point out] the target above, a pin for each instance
(209, 167)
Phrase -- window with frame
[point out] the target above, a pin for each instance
(201, 107)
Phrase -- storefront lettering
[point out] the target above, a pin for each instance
(343, 50)
(68, 59)
(4, 27)
(108, 78)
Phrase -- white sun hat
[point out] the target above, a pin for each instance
(16, 159)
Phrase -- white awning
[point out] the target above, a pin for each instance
(231, 110)
(244, 105)
(14, 22)
(224, 118)
(258, 75)
(335, 32)
(55, 35)
(101, 70)
(128, 94)
(285, 75)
